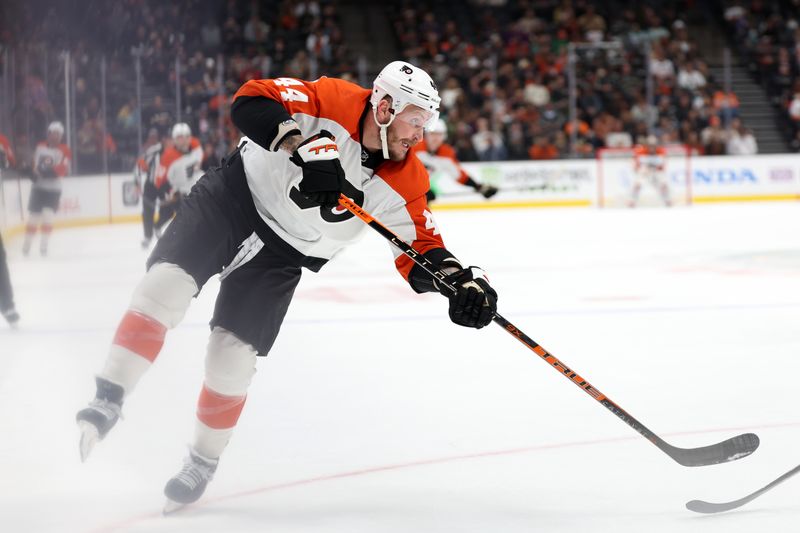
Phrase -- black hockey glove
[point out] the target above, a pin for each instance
(323, 175)
(486, 190)
(474, 303)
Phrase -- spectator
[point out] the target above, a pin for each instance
(726, 103)
(714, 137)
(592, 25)
(256, 30)
(488, 144)
(89, 147)
(741, 140)
(661, 67)
(536, 93)
(517, 145)
(157, 116)
(794, 108)
(690, 78)
(543, 149)
(451, 93)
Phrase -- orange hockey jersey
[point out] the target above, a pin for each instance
(180, 169)
(394, 192)
(644, 160)
(7, 154)
(50, 164)
(442, 160)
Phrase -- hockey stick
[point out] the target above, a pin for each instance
(700, 506)
(722, 452)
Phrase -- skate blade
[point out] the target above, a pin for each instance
(171, 507)
(89, 437)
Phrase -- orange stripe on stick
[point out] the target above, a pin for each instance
(218, 411)
(141, 334)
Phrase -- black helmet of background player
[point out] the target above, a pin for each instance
(435, 134)
(406, 85)
(55, 132)
(182, 136)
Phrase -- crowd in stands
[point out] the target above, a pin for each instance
(253, 38)
(767, 36)
(501, 65)
(504, 76)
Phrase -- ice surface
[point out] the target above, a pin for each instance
(374, 414)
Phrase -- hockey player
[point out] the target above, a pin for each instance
(7, 308)
(7, 159)
(267, 212)
(144, 176)
(438, 156)
(50, 164)
(177, 171)
(650, 166)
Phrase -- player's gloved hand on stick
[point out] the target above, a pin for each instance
(487, 190)
(323, 175)
(474, 303)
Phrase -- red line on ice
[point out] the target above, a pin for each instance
(116, 526)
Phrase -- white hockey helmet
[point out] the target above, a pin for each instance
(181, 129)
(651, 140)
(407, 85)
(437, 126)
(56, 127)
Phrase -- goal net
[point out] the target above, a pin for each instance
(616, 176)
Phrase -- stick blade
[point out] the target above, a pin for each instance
(700, 506)
(723, 452)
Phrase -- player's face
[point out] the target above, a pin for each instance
(434, 140)
(53, 137)
(182, 142)
(405, 131)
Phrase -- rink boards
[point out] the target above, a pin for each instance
(101, 199)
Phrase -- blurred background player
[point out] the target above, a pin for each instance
(177, 171)
(440, 157)
(145, 175)
(7, 308)
(650, 163)
(7, 159)
(50, 164)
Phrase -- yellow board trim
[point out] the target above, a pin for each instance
(512, 205)
(14, 231)
(750, 198)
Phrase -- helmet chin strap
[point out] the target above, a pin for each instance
(383, 129)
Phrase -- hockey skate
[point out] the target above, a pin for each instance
(12, 317)
(190, 483)
(96, 420)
